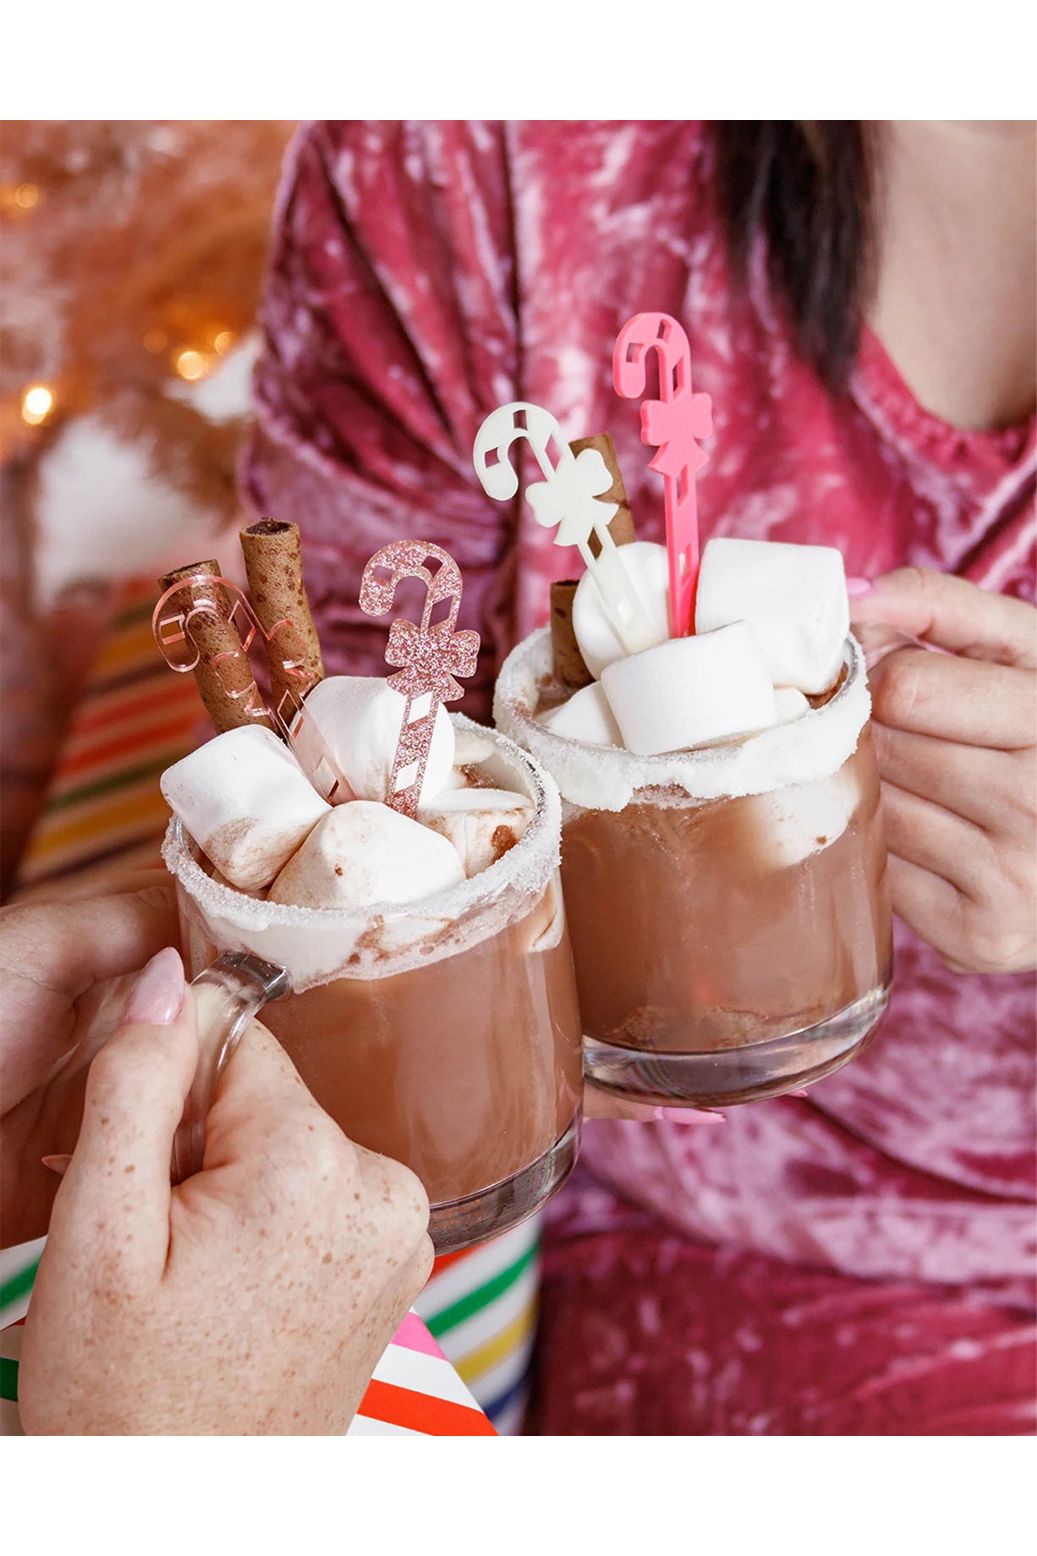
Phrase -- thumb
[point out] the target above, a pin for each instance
(118, 1180)
(950, 613)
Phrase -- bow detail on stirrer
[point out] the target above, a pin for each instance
(673, 426)
(569, 497)
(430, 655)
(672, 423)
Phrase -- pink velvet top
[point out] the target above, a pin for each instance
(423, 273)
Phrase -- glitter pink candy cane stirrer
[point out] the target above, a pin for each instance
(672, 424)
(430, 655)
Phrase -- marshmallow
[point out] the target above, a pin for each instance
(587, 717)
(482, 824)
(648, 568)
(795, 597)
(691, 691)
(790, 704)
(365, 853)
(472, 746)
(358, 718)
(796, 822)
(246, 802)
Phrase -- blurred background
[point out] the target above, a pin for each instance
(131, 257)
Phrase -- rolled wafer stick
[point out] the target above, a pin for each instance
(273, 562)
(621, 525)
(567, 661)
(225, 681)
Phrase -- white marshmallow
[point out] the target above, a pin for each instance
(471, 748)
(790, 704)
(799, 821)
(246, 802)
(795, 597)
(482, 824)
(691, 691)
(364, 853)
(358, 718)
(649, 570)
(587, 717)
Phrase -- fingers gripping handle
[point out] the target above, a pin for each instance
(227, 996)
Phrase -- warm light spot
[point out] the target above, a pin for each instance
(224, 340)
(156, 341)
(37, 404)
(20, 198)
(191, 364)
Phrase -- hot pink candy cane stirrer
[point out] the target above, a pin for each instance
(431, 655)
(672, 424)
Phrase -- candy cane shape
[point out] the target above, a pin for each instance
(207, 594)
(672, 423)
(207, 598)
(567, 498)
(431, 655)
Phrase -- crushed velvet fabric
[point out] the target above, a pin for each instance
(861, 1261)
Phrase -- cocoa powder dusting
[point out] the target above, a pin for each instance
(474, 779)
(503, 838)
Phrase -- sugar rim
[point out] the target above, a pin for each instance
(525, 869)
(805, 750)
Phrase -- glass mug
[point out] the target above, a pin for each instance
(444, 1033)
(728, 906)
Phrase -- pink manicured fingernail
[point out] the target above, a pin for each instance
(796, 1093)
(858, 587)
(58, 1164)
(688, 1116)
(157, 997)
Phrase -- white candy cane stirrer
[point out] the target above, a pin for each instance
(567, 498)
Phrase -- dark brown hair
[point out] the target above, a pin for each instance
(806, 189)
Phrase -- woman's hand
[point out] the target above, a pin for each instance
(955, 737)
(256, 1296)
(65, 966)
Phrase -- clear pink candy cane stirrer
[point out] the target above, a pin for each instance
(430, 654)
(568, 497)
(178, 622)
(672, 424)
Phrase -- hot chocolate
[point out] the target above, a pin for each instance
(728, 906)
(443, 1032)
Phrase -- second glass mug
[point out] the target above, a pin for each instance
(728, 906)
(444, 1033)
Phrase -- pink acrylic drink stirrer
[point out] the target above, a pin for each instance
(672, 424)
(430, 655)
(198, 595)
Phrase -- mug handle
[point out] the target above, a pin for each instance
(227, 996)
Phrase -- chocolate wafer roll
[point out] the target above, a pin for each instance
(621, 525)
(225, 681)
(273, 562)
(567, 662)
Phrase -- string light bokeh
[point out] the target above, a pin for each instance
(132, 255)
(131, 259)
